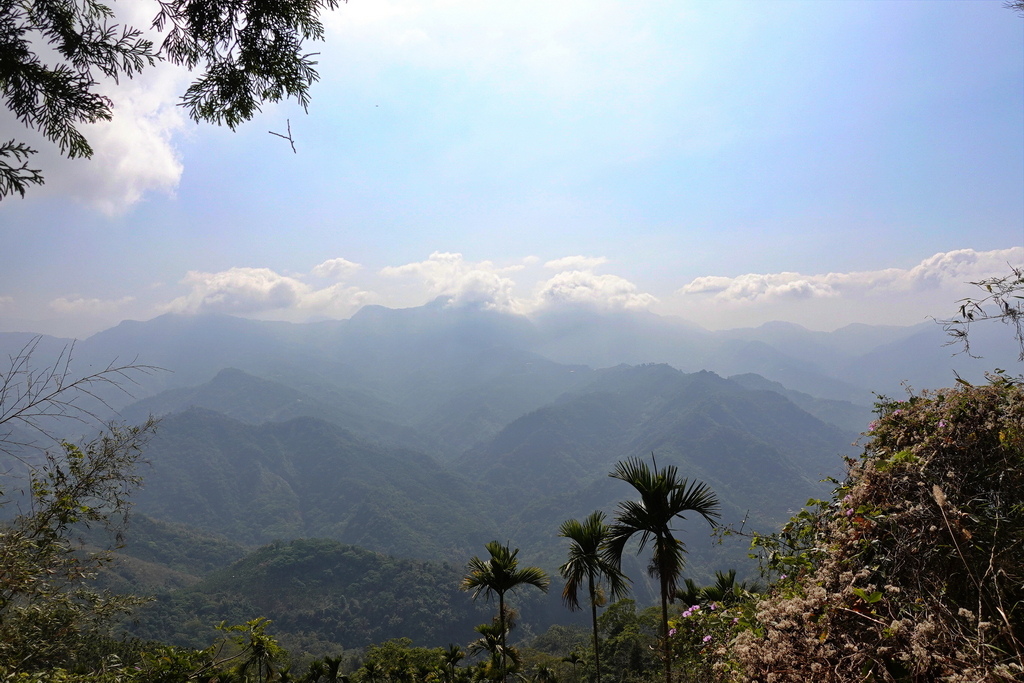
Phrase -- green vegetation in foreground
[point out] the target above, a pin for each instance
(912, 571)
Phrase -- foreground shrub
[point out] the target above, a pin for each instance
(915, 570)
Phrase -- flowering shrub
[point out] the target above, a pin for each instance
(702, 635)
(694, 635)
(914, 571)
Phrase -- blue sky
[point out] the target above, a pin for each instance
(824, 162)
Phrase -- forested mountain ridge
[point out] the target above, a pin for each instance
(307, 477)
(842, 414)
(325, 596)
(762, 454)
(744, 443)
(158, 556)
(405, 363)
(254, 400)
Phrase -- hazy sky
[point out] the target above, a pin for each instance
(824, 162)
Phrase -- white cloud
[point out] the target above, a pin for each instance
(485, 284)
(943, 270)
(238, 290)
(83, 306)
(576, 263)
(824, 301)
(338, 300)
(900, 296)
(246, 291)
(336, 268)
(133, 153)
(964, 265)
(754, 286)
(448, 274)
(605, 292)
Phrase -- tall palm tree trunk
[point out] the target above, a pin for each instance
(664, 627)
(593, 617)
(663, 497)
(501, 625)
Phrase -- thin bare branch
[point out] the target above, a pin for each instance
(288, 137)
(1003, 300)
(31, 395)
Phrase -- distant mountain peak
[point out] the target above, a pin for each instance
(782, 325)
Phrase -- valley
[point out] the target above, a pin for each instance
(336, 477)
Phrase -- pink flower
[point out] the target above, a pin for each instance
(671, 632)
(707, 639)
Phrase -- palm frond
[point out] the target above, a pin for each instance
(530, 576)
(694, 497)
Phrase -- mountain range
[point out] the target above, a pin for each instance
(423, 433)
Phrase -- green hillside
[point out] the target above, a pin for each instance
(758, 450)
(338, 596)
(304, 478)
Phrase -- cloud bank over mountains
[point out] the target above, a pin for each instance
(338, 287)
(945, 269)
(245, 291)
(900, 296)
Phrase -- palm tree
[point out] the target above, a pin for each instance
(332, 670)
(586, 564)
(490, 642)
(574, 659)
(315, 672)
(452, 656)
(499, 575)
(263, 652)
(663, 497)
(724, 591)
(691, 594)
(544, 674)
(372, 672)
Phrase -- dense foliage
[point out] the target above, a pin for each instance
(307, 478)
(346, 596)
(48, 608)
(914, 571)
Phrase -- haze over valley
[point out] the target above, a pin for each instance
(423, 433)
